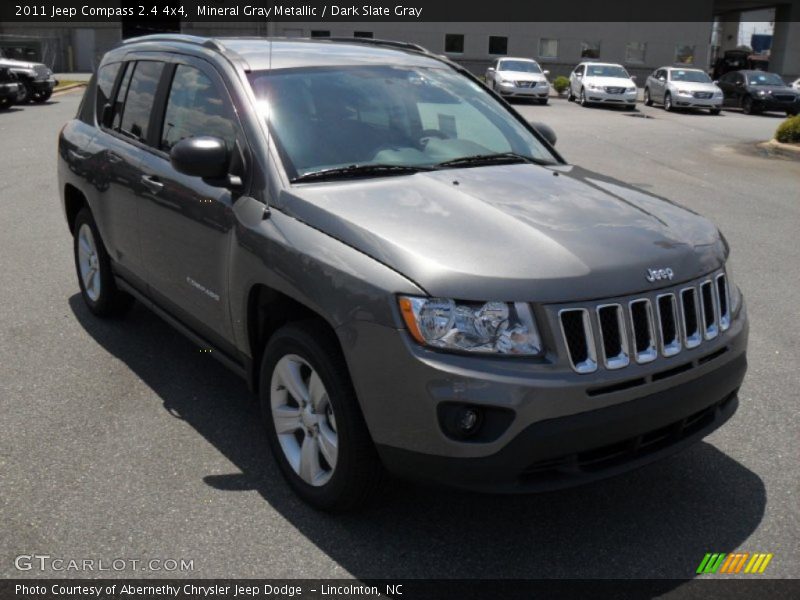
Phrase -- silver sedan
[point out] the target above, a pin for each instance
(676, 87)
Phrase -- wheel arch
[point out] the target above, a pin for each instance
(74, 201)
(267, 311)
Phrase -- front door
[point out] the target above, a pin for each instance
(186, 224)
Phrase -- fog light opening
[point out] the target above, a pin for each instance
(464, 422)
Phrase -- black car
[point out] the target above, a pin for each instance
(758, 91)
(9, 88)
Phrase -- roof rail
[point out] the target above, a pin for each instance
(210, 43)
(377, 42)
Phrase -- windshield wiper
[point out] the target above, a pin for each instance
(354, 171)
(492, 159)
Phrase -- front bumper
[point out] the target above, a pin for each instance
(561, 431)
(9, 90)
(44, 85)
(540, 91)
(769, 103)
(689, 101)
(604, 97)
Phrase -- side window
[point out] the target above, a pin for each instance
(196, 107)
(140, 97)
(106, 77)
(579, 69)
(119, 102)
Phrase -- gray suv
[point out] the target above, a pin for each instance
(408, 275)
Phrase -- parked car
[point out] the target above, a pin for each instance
(676, 87)
(36, 81)
(520, 77)
(9, 88)
(407, 274)
(738, 60)
(602, 83)
(758, 91)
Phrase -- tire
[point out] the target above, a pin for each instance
(93, 267)
(25, 92)
(570, 95)
(5, 103)
(747, 105)
(648, 101)
(714, 111)
(324, 452)
(668, 102)
(582, 99)
(543, 102)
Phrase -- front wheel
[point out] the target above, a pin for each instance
(543, 102)
(40, 97)
(25, 92)
(668, 102)
(747, 105)
(583, 101)
(95, 277)
(314, 424)
(5, 103)
(648, 101)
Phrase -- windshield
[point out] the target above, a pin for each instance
(764, 79)
(606, 71)
(692, 76)
(328, 118)
(522, 66)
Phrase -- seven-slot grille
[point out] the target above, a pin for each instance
(614, 334)
(526, 84)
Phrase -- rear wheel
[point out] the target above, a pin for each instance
(5, 103)
(314, 423)
(95, 277)
(714, 111)
(648, 101)
(543, 102)
(668, 102)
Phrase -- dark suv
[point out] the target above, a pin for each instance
(405, 271)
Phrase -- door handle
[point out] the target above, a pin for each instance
(152, 183)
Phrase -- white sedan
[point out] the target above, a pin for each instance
(602, 83)
(520, 77)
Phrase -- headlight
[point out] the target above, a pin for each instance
(733, 290)
(505, 82)
(684, 92)
(596, 88)
(762, 93)
(631, 90)
(488, 328)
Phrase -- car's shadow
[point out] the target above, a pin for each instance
(657, 522)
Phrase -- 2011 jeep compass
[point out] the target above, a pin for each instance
(407, 273)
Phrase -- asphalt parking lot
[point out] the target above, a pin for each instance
(121, 440)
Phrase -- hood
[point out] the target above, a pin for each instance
(695, 86)
(512, 232)
(608, 81)
(522, 76)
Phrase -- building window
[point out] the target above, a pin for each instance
(635, 52)
(548, 48)
(362, 34)
(684, 54)
(498, 45)
(454, 43)
(320, 33)
(590, 49)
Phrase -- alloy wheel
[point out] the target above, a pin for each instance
(89, 262)
(304, 420)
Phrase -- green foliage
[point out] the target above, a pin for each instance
(788, 132)
(560, 84)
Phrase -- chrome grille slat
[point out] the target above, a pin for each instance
(669, 331)
(576, 328)
(613, 337)
(708, 310)
(691, 318)
(642, 329)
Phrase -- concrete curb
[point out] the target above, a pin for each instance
(790, 150)
(68, 88)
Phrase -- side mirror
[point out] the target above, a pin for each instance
(545, 131)
(633, 77)
(202, 156)
(662, 78)
(490, 70)
(546, 72)
(716, 82)
(578, 75)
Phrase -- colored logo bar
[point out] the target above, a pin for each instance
(735, 562)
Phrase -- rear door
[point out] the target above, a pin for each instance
(186, 224)
(115, 156)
